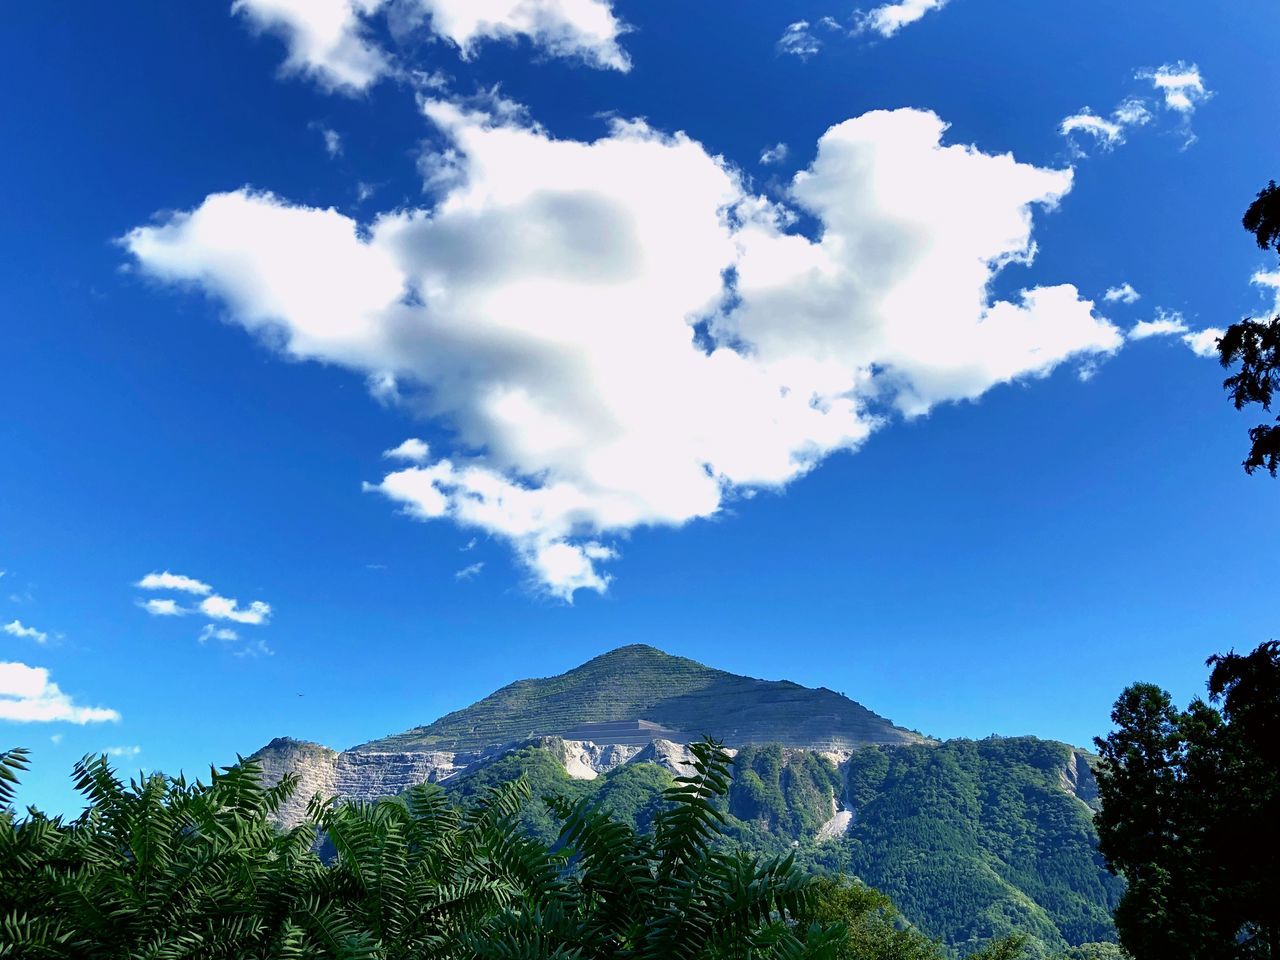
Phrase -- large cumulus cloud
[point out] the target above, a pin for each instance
(619, 333)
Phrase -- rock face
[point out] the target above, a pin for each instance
(1078, 779)
(634, 703)
(369, 775)
(350, 775)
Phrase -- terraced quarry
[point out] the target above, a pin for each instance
(639, 683)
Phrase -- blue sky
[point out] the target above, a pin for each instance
(663, 391)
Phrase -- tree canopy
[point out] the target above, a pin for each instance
(1191, 814)
(1255, 345)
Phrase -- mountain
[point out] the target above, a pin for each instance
(637, 693)
(972, 839)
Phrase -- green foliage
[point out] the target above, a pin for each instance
(1255, 345)
(164, 869)
(790, 795)
(876, 930)
(1094, 951)
(975, 841)
(1191, 800)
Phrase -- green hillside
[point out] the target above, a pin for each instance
(972, 840)
(641, 683)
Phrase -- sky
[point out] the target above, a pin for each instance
(363, 356)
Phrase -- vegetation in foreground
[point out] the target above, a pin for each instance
(163, 868)
(1191, 814)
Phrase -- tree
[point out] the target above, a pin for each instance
(161, 868)
(1255, 344)
(1191, 815)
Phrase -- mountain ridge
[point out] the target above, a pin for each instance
(640, 683)
(973, 839)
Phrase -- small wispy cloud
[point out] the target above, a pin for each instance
(468, 572)
(16, 628)
(225, 634)
(798, 41)
(174, 581)
(332, 141)
(1164, 325)
(887, 19)
(211, 606)
(1122, 294)
(412, 450)
(1106, 133)
(255, 648)
(1181, 83)
(1183, 89)
(164, 608)
(132, 751)
(776, 154)
(1170, 323)
(227, 608)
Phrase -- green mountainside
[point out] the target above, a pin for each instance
(972, 840)
(640, 683)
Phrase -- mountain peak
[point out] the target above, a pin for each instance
(636, 688)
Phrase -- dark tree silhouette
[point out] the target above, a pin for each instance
(1255, 344)
(1191, 815)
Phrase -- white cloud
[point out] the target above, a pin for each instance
(1107, 132)
(1270, 281)
(225, 608)
(576, 29)
(15, 628)
(132, 751)
(1132, 112)
(774, 155)
(164, 608)
(27, 695)
(887, 19)
(212, 606)
(331, 40)
(1180, 83)
(798, 41)
(210, 632)
(1183, 89)
(1203, 343)
(412, 450)
(1164, 325)
(326, 39)
(332, 142)
(619, 335)
(174, 581)
(1122, 294)
(467, 572)
(255, 648)
(55, 739)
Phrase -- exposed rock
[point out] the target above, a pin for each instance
(837, 826)
(1078, 779)
(314, 765)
